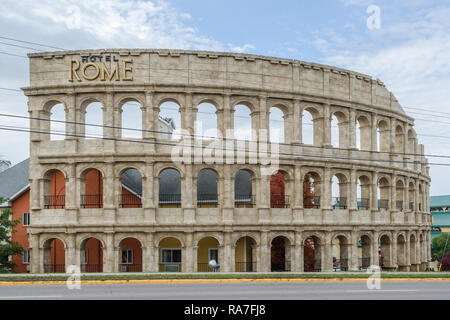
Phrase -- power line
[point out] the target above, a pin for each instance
(12, 54)
(34, 43)
(18, 46)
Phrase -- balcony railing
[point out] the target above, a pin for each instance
(126, 267)
(383, 204)
(281, 267)
(340, 265)
(207, 200)
(364, 263)
(91, 267)
(411, 206)
(245, 266)
(204, 267)
(279, 201)
(244, 201)
(339, 203)
(54, 268)
(92, 201)
(311, 202)
(363, 203)
(312, 265)
(170, 200)
(399, 205)
(55, 202)
(129, 201)
(170, 267)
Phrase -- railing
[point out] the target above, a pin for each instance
(364, 263)
(54, 268)
(244, 201)
(339, 203)
(204, 267)
(126, 267)
(245, 266)
(399, 205)
(311, 202)
(279, 201)
(207, 200)
(411, 206)
(312, 265)
(129, 201)
(89, 267)
(92, 201)
(281, 267)
(363, 203)
(340, 265)
(383, 204)
(170, 267)
(170, 200)
(55, 202)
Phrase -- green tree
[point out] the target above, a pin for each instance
(7, 246)
(440, 246)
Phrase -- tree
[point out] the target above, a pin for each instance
(7, 246)
(445, 262)
(440, 246)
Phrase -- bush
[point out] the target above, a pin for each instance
(445, 262)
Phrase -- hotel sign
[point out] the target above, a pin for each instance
(94, 67)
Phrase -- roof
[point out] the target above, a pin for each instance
(131, 179)
(14, 179)
(441, 219)
(440, 201)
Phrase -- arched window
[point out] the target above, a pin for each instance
(399, 195)
(207, 189)
(411, 142)
(169, 189)
(399, 140)
(412, 196)
(206, 123)
(132, 120)
(54, 256)
(169, 125)
(280, 254)
(245, 255)
(92, 196)
(93, 118)
(130, 255)
(57, 122)
(385, 252)
(276, 123)
(243, 189)
(278, 189)
(339, 192)
(91, 255)
(335, 132)
(383, 194)
(364, 252)
(242, 123)
(363, 193)
(55, 190)
(131, 194)
(308, 127)
(170, 255)
(340, 253)
(312, 261)
(363, 134)
(383, 140)
(311, 191)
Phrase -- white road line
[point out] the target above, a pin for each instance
(382, 290)
(28, 297)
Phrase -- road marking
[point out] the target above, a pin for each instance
(28, 297)
(383, 290)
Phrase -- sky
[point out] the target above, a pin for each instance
(408, 48)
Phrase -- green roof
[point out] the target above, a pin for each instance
(440, 201)
(441, 219)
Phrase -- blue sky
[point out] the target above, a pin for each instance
(410, 52)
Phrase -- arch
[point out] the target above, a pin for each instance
(312, 254)
(169, 125)
(400, 197)
(411, 195)
(54, 255)
(364, 251)
(340, 247)
(383, 193)
(169, 188)
(385, 251)
(413, 252)
(243, 189)
(401, 252)
(58, 120)
(91, 255)
(278, 189)
(363, 133)
(245, 255)
(130, 255)
(311, 190)
(339, 129)
(340, 189)
(243, 122)
(131, 118)
(170, 254)
(383, 136)
(131, 189)
(207, 193)
(54, 189)
(363, 192)
(310, 127)
(92, 188)
(208, 249)
(276, 125)
(280, 254)
(399, 140)
(92, 117)
(411, 145)
(206, 122)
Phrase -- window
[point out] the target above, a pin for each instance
(26, 256)
(26, 219)
(127, 256)
(213, 254)
(171, 256)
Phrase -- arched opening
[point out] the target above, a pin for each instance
(169, 124)
(131, 120)
(207, 195)
(399, 140)
(312, 256)
(339, 130)
(54, 256)
(340, 248)
(411, 196)
(243, 189)
(54, 190)
(339, 190)
(401, 253)
(311, 191)
(278, 185)
(364, 252)
(131, 194)
(245, 255)
(170, 252)
(208, 250)
(363, 193)
(242, 123)
(57, 122)
(276, 123)
(363, 134)
(412, 254)
(335, 141)
(280, 253)
(411, 142)
(383, 194)
(169, 189)
(130, 255)
(92, 184)
(308, 127)
(421, 200)
(206, 122)
(385, 252)
(383, 137)
(91, 255)
(399, 191)
(92, 117)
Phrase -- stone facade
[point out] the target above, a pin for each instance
(398, 220)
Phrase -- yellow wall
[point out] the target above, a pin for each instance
(203, 249)
(170, 243)
(240, 250)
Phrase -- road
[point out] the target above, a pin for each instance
(234, 291)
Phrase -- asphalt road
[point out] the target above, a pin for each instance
(234, 291)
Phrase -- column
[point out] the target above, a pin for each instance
(374, 132)
(190, 258)
(227, 264)
(187, 195)
(264, 252)
(353, 192)
(352, 129)
(326, 140)
(353, 252)
(110, 250)
(297, 123)
(187, 116)
(326, 198)
(111, 190)
(327, 261)
(71, 258)
(35, 259)
(298, 253)
(375, 259)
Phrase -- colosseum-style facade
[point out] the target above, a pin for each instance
(84, 214)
